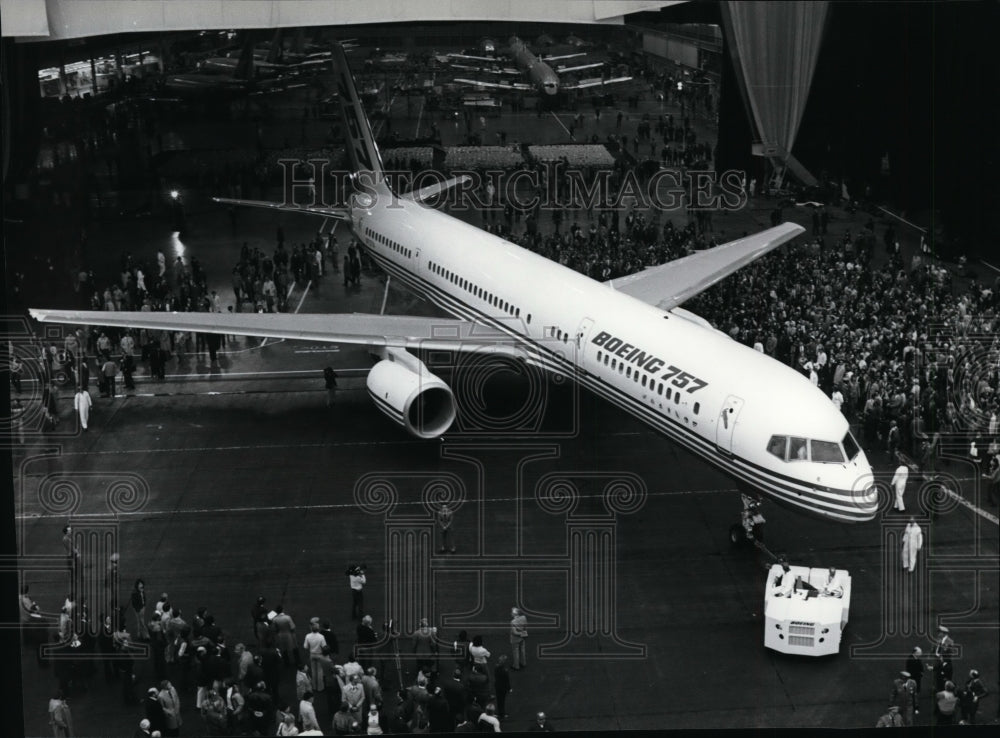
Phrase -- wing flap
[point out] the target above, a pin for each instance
(669, 285)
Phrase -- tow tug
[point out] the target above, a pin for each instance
(806, 609)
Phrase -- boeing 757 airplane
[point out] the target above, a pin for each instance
(627, 340)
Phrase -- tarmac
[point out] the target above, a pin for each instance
(231, 481)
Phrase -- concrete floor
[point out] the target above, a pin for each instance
(248, 485)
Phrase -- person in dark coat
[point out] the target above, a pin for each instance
(915, 665)
(439, 713)
(128, 368)
(478, 684)
(943, 670)
(455, 692)
(501, 685)
(154, 710)
(271, 663)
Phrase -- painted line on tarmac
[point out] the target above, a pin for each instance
(250, 447)
(326, 506)
(561, 124)
(209, 393)
(420, 115)
(302, 299)
(985, 514)
(986, 263)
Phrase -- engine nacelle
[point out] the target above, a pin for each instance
(405, 390)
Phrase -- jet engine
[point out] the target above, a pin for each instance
(405, 390)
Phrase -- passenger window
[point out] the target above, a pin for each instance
(643, 380)
(697, 407)
(776, 446)
(797, 449)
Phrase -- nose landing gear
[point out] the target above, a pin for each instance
(750, 529)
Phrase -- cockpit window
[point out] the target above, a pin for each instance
(826, 452)
(851, 447)
(777, 445)
(797, 449)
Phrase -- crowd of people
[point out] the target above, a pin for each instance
(952, 702)
(277, 681)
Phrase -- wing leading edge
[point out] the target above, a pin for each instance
(669, 285)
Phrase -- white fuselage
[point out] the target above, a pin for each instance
(715, 397)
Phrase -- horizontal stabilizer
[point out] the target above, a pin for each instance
(432, 190)
(326, 212)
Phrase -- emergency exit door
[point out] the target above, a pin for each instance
(726, 423)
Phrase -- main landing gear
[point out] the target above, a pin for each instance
(750, 529)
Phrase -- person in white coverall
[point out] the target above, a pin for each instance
(899, 484)
(82, 404)
(913, 541)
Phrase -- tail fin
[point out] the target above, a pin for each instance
(359, 139)
(244, 67)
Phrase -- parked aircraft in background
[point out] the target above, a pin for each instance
(536, 73)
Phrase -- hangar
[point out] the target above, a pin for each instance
(222, 470)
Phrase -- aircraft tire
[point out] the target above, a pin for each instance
(736, 535)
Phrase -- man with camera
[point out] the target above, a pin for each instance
(356, 576)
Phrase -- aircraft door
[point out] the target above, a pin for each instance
(582, 334)
(726, 423)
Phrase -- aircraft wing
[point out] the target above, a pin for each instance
(374, 331)
(563, 56)
(492, 59)
(583, 84)
(578, 67)
(669, 285)
(495, 85)
(487, 70)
